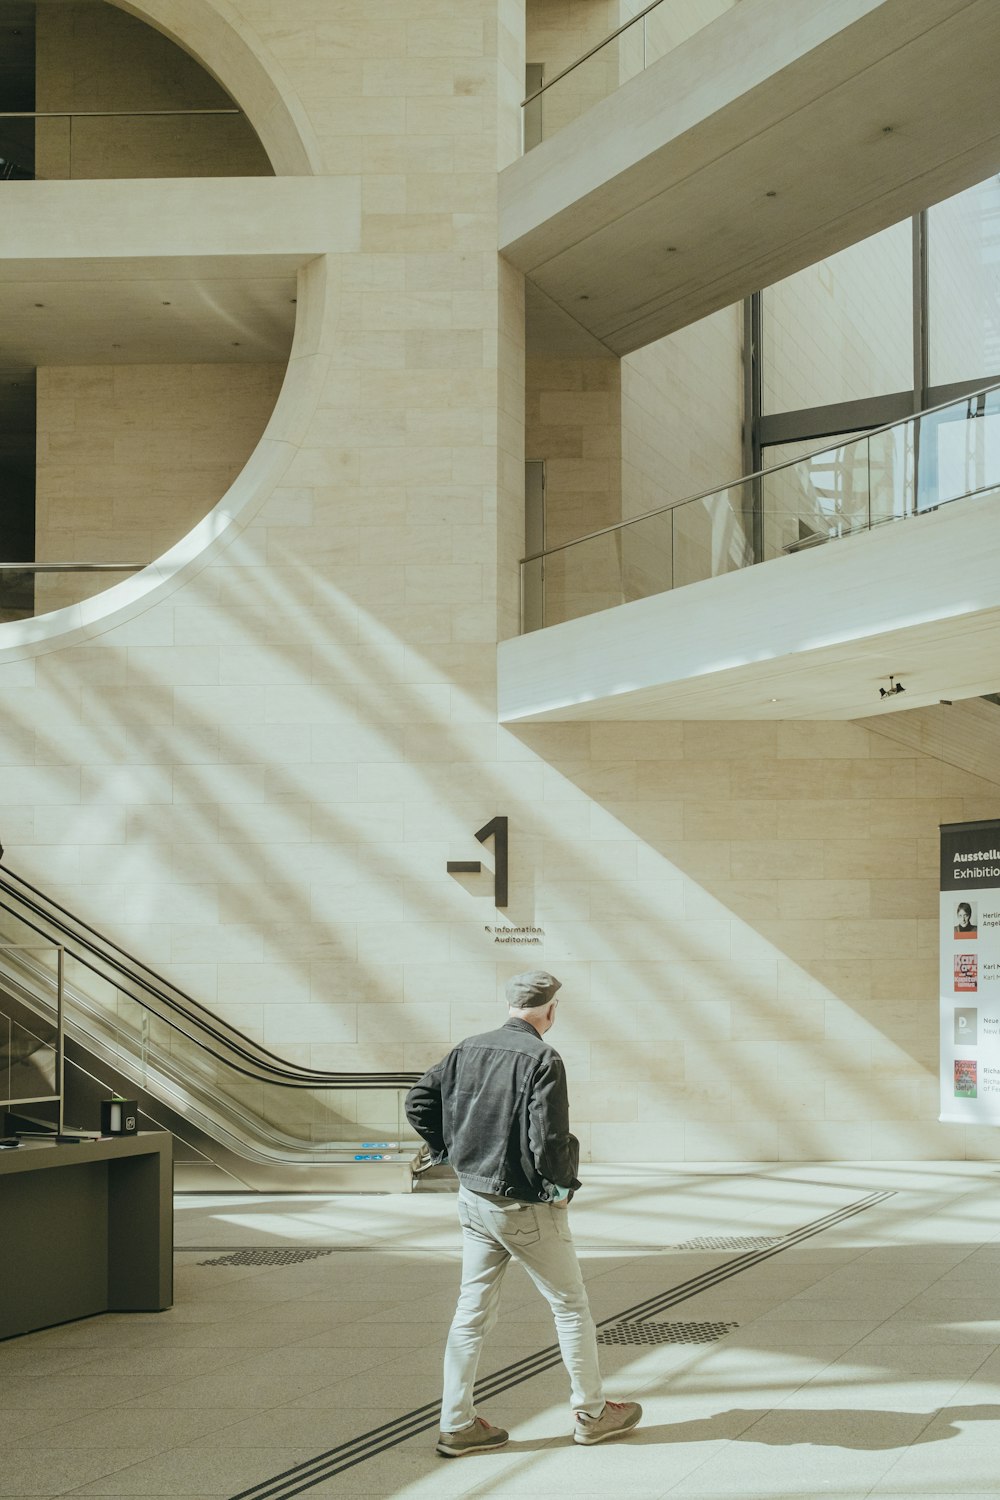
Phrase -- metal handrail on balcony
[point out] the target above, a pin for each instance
(598, 47)
(547, 108)
(71, 567)
(13, 170)
(887, 474)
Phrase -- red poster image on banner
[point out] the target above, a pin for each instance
(966, 972)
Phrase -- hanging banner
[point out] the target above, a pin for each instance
(970, 972)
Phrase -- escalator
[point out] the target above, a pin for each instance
(242, 1117)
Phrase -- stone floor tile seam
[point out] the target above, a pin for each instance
(240, 1415)
(732, 1269)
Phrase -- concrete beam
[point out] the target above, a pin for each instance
(781, 133)
(63, 225)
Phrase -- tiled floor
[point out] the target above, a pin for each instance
(866, 1360)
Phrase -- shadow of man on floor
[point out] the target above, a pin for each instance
(846, 1427)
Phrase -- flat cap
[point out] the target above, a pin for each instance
(525, 991)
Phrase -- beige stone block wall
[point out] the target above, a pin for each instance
(89, 55)
(256, 781)
(573, 421)
(130, 457)
(558, 33)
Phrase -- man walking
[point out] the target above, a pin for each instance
(497, 1109)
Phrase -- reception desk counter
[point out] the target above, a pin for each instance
(85, 1228)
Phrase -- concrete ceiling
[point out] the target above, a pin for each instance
(955, 658)
(960, 659)
(171, 271)
(778, 135)
(964, 734)
(551, 330)
(156, 319)
(161, 319)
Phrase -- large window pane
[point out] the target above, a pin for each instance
(963, 237)
(842, 329)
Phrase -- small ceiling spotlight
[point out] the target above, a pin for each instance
(893, 688)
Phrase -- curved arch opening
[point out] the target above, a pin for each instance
(132, 406)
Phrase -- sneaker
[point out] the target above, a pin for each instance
(475, 1438)
(618, 1417)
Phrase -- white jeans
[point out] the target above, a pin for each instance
(494, 1230)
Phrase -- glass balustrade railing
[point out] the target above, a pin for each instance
(31, 1045)
(641, 40)
(938, 456)
(56, 145)
(160, 1040)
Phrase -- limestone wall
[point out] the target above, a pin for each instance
(255, 780)
(130, 457)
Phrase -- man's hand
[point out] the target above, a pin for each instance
(561, 1203)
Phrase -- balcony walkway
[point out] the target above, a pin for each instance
(809, 636)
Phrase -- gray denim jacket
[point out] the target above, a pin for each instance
(497, 1109)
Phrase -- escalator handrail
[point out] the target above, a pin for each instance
(315, 1079)
(300, 1078)
(65, 917)
(269, 1062)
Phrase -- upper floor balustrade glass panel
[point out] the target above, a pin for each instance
(578, 72)
(61, 145)
(89, 91)
(939, 456)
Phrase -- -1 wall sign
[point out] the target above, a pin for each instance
(495, 829)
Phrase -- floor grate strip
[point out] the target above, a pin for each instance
(731, 1242)
(665, 1333)
(265, 1257)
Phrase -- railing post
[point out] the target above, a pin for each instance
(752, 404)
(60, 1040)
